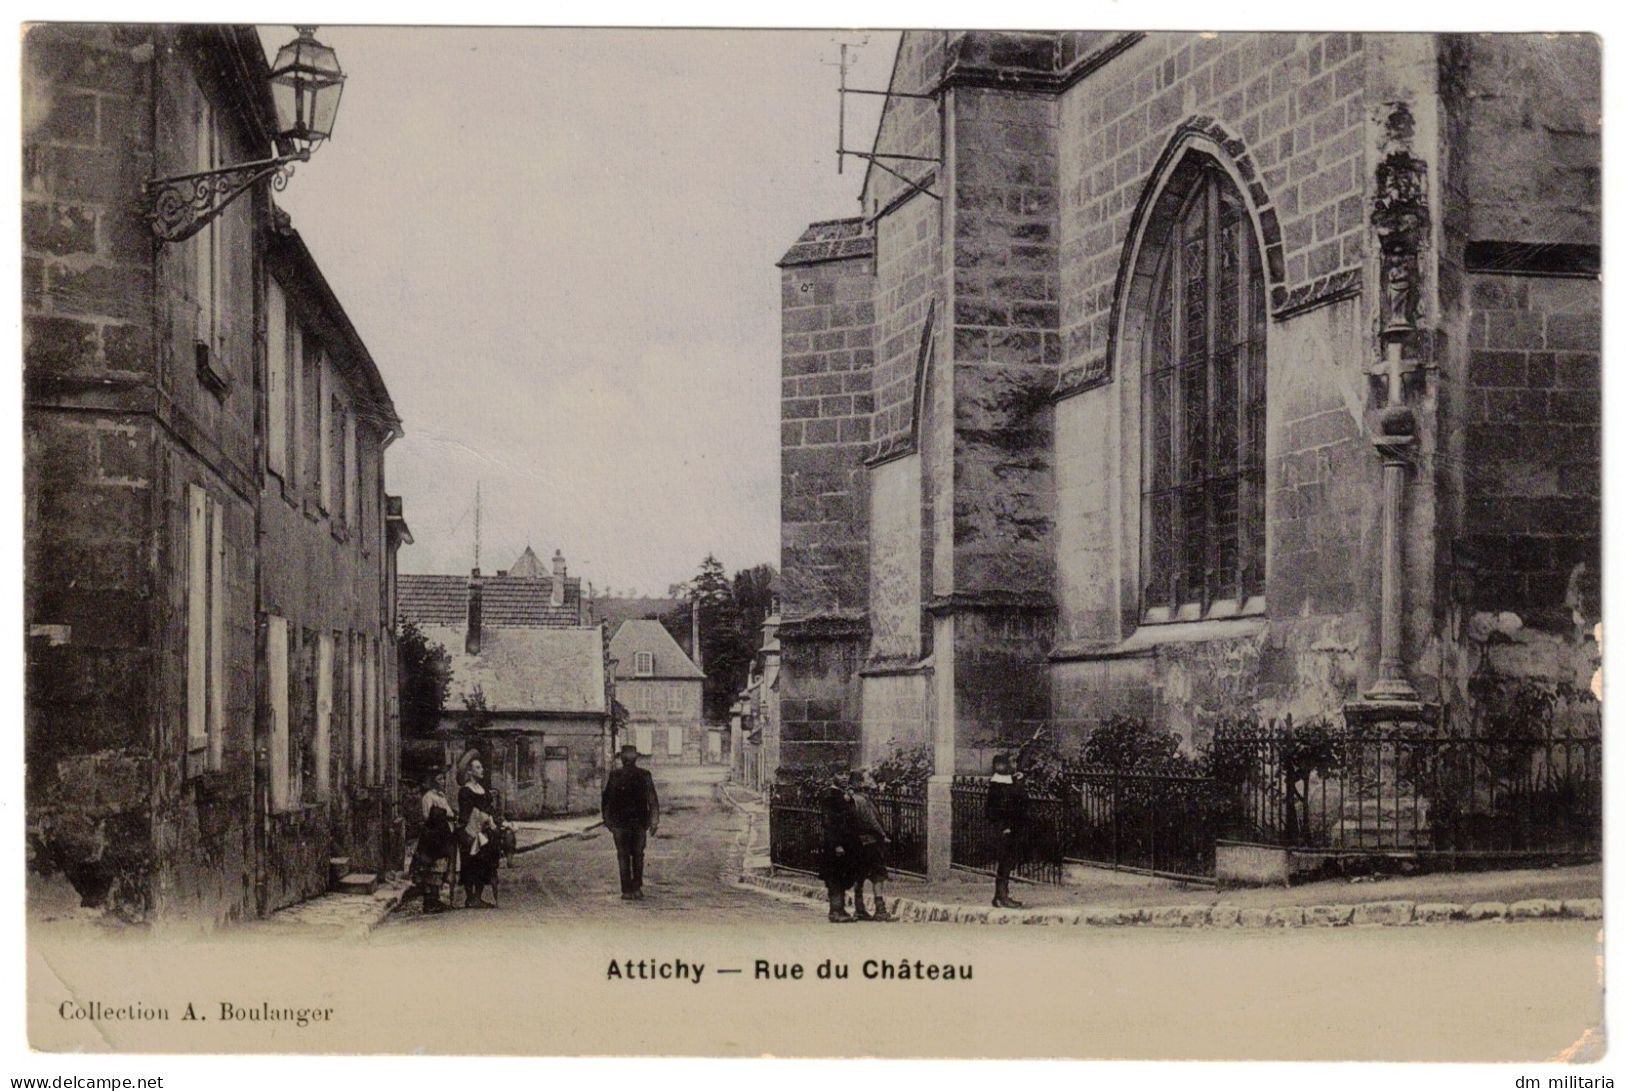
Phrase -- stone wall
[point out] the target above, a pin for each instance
(118, 426)
(825, 419)
(821, 704)
(121, 423)
(1534, 446)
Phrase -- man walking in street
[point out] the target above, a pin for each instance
(632, 812)
(1007, 813)
(872, 843)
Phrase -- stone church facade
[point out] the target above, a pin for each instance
(1192, 377)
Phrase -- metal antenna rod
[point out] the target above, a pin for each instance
(840, 137)
(476, 526)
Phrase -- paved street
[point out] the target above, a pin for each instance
(688, 871)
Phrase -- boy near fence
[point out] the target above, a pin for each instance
(838, 851)
(872, 840)
(1007, 814)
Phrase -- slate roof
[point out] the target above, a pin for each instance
(508, 602)
(527, 670)
(830, 240)
(637, 635)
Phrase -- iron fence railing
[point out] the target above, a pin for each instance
(976, 838)
(903, 815)
(1159, 822)
(1370, 789)
(796, 831)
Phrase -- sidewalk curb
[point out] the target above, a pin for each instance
(533, 846)
(1222, 915)
(1386, 913)
(385, 901)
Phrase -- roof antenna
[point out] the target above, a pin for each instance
(476, 526)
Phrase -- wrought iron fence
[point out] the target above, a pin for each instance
(796, 831)
(794, 828)
(976, 838)
(902, 812)
(1414, 791)
(1156, 821)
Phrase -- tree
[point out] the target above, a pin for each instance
(731, 615)
(425, 678)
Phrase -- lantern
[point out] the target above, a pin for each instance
(306, 83)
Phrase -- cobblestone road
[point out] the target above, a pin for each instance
(689, 873)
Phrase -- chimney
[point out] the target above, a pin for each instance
(475, 594)
(558, 577)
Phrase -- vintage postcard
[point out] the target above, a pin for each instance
(926, 543)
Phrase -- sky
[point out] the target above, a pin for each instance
(559, 246)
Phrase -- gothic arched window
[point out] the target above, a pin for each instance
(1202, 501)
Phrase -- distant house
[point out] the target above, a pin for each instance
(661, 689)
(530, 687)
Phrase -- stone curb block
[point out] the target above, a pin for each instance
(1286, 916)
(1434, 912)
(1534, 908)
(1383, 913)
(1222, 915)
(1328, 916)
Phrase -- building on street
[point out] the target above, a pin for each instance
(209, 550)
(530, 684)
(661, 688)
(1190, 377)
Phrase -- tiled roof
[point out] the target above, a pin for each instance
(507, 602)
(830, 240)
(637, 635)
(527, 670)
(613, 611)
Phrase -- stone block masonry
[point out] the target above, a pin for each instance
(1534, 444)
(825, 418)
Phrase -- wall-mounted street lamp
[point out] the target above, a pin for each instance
(306, 83)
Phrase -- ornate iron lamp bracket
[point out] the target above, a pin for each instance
(183, 204)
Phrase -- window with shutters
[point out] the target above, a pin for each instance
(357, 709)
(323, 745)
(208, 258)
(351, 472)
(1202, 503)
(277, 682)
(324, 433)
(280, 360)
(205, 630)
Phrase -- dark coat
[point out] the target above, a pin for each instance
(837, 826)
(629, 799)
(1007, 807)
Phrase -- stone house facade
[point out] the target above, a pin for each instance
(207, 545)
(531, 688)
(1193, 376)
(662, 691)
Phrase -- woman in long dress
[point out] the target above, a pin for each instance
(477, 834)
(436, 844)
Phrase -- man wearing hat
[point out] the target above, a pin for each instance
(632, 812)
